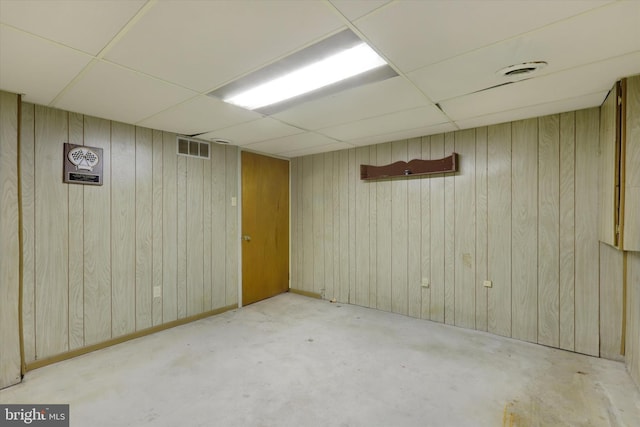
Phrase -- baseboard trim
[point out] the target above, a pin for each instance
(124, 338)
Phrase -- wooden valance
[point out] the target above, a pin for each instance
(415, 167)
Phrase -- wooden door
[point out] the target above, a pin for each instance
(265, 227)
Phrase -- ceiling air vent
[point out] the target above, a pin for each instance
(193, 148)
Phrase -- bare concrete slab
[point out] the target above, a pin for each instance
(297, 361)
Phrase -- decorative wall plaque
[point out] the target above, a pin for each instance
(82, 164)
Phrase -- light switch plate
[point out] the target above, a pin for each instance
(157, 292)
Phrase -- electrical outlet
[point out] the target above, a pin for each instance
(425, 282)
(487, 284)
(157, 292)
(234, 201)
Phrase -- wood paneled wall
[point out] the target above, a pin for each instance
(93, 255)
(9, 242)
(632, 342)
(522, 212)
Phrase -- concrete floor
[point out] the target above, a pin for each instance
(296, 361)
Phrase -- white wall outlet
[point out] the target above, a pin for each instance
(487, 284)
(234, 201)
(425, 282)
(157, 292)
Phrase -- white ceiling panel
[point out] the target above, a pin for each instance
(203, 44)
(409, 119)
(561, 45)
(291, 143)
(553, 87)
(405, 134)
(254, 131)
(354, 9)
(84, 25)
(115, 93)
(35, 67)
(571, 104)
(413, 34)
(318, 149)
(371, 100)
(201, 114)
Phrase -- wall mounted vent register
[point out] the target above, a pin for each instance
(192, 147)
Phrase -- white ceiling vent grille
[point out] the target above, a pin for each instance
(193, 148)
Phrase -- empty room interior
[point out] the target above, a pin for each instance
(320, 212)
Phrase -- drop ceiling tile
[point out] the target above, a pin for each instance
(319, 149)
(291, 143)
(413, 34)
(572, 104)
(405, 134)
(563, 45)
(573, 83)
(394, 122)
(37, 68)
(254, 131)
(203, 44)
(200, 114)
(388, 96)
(84, 25)
(354, 9)
(115, 93)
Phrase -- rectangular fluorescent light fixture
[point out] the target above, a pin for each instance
(338, 63)
(335, 68)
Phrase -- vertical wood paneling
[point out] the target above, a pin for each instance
(611, 313)
(157, 226)
(351, 238)
(27, 172)
(328, 225)
(318, 223)
(373, 228)
(607, 169)
(337, 260)
(549, 231)
(144, 227)
(344, 226)
(425, 250)
(586, 258)
(399, 234)
(207, 230)
(182, 236)
(524, 237)
(52, 236)
(307, 224)
(631, 238)
(233, 237)
(499, 229)
(195, 240)
(218, 234)
(567, 230)
(293, 223)
(97, 239)
(76, 244)
(632, 352)
(465, 227)
(169, 228)
(437, 233)
(481, 228)
(449, 237)
(362, 232)
(9, 242)
(383, 232)
(414, 237)
(123, 228)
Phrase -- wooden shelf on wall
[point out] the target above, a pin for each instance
(415, 167)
